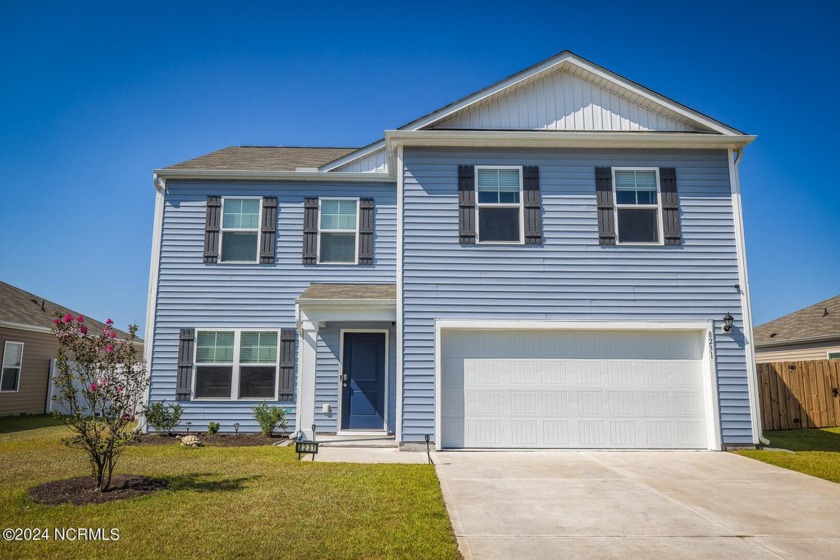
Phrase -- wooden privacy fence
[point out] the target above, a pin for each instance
(799, 394)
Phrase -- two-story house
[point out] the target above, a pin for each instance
(555, 261)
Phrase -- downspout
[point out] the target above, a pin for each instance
(154, 271)
(735, 155)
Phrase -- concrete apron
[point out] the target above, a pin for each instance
(626, 505)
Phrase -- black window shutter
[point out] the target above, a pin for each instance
(310, 231)
(533, 204)
(286, 390)
(672, 230)
(183, 385)
(466, 204)
(606, 206)
(366, 231)
(211, 229)
(268, 230)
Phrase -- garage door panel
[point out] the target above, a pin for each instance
(606, 402)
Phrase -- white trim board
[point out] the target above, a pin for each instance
(714, 434)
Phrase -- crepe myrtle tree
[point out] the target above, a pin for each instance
(100, 382)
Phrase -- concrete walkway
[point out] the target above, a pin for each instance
(668, 505)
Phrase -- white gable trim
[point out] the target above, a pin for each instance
(555, 63)
(353, 156)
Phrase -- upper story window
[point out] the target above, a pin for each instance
(240, 229)
(499, 204)
(637, 207)
(12, 360)
(338, 227)
(236, 365)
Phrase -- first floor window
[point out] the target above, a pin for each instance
(236, 364)
(12, 359)
(499, 204)
(338, 228)
(240, 229)
(637, 206)
(834, 355)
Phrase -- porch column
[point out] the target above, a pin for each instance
(306, 376)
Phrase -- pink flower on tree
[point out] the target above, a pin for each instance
(94, 387)
(112, 334)
(109, 322)
(109, 348)
(83, 329)
(56, 321)
(80, 319)
(68, 318)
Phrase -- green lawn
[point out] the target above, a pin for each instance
(817, 451)
(225, 502)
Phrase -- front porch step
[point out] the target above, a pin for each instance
(350, 440)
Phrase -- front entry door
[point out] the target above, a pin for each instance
(363, 381)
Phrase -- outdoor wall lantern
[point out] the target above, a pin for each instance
(728, 319)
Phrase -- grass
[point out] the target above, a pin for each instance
(225, 502)
(817, 451)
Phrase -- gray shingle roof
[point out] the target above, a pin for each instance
(805, 324)
(349, 291)
(263, 158)
(24, 308)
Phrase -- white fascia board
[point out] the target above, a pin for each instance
(226, 174)
(533, 325)
(483, 94)
(799, 341)
(21, 327)
(352, 156)
(653, 96)
(562, 139)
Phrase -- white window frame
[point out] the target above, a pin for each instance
(479, 205)
(257, 230)
(353, 231)
(236, 365)
(657, 206)
(19, 368)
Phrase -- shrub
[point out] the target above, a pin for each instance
(100, 381)
(269, 418)
(163, 417)
(212, 428)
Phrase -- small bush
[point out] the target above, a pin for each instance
(212, 428)
(269, 418)
(163, 417)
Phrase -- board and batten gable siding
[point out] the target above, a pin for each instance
(247, 296)
(38, 350)
(570, 276)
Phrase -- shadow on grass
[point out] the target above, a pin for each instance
(10, 424)
(811, 439)
(208, 482)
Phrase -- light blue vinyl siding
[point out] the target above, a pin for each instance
(194, 294)
(570, 277)
(327, 382)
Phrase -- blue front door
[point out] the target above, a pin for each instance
(363, 381)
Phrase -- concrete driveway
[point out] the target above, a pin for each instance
(636, 505)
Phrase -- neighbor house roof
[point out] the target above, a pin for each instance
(349, 292)
(820, 321)
(21, 308)
(263, 158)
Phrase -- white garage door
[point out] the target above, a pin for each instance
(562, 389)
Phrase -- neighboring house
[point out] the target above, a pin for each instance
(546, 263)
(812, 333)
(28, 348)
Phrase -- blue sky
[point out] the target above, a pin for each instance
(95, 96)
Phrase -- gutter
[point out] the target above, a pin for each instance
(563, 139)
(246, 175)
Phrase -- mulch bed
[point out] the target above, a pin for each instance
(216, 440)
(79, 491)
